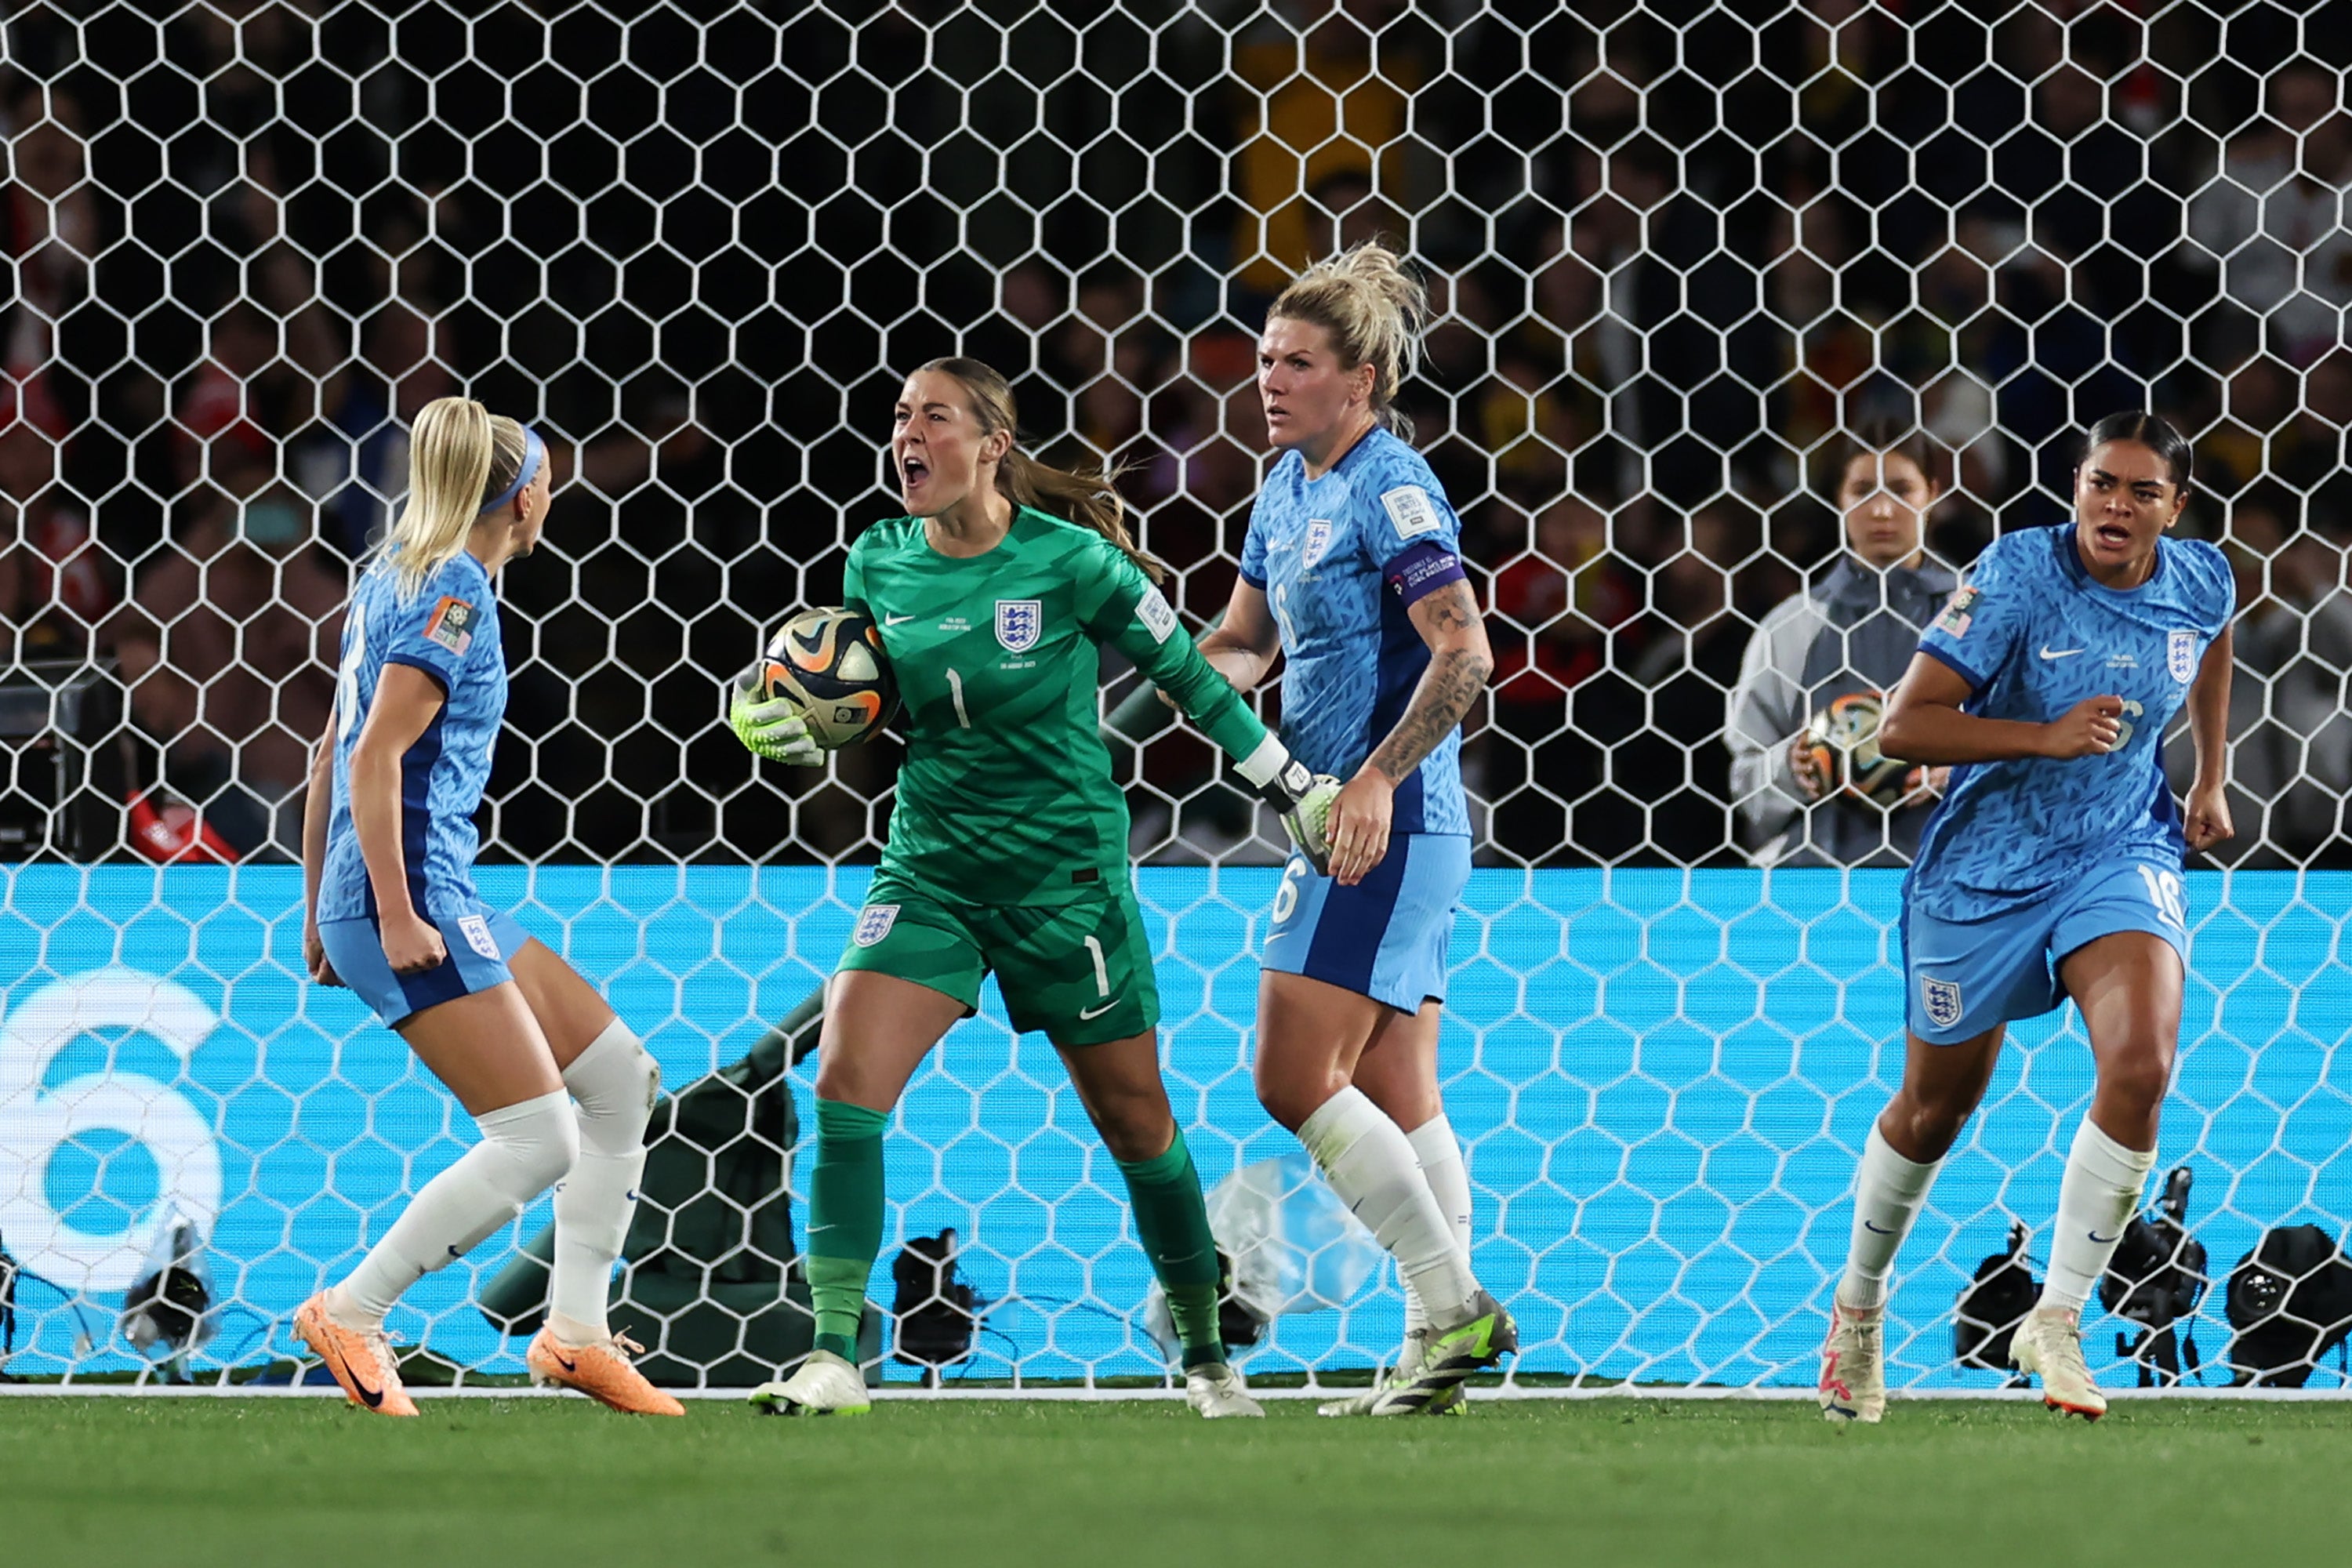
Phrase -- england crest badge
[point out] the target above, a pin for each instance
(874, 923)
(1942, 1000)
(2181, 657)
(1318, 545)
(1018, 624)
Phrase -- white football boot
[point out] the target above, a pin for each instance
(2049, 1343)
(1854, 1363)
(1217, 1391)
(1455, 1401)
(824, 1385)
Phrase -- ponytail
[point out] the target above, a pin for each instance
(460, 455)
(1375, 312)
(1089, 499)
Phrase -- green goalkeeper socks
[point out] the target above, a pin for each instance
(1172, 1223)
(844, 1230)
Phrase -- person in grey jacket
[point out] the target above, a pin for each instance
(1854, 630)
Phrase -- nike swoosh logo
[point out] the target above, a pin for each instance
(2048, 652)
(1099, 1012)
(889, 620)
(567, 1366)
(373, 1397)
(1876, 1230)
(2103, 1240)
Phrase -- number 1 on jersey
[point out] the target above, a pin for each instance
(955, 690)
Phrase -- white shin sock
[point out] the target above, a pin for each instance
(524, 1148)
(614, 1083)
(1370, 1164)
(2097, 1199)
(1888, 1193)
(1440, 1154)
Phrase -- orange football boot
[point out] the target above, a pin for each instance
(602, 1371)
(361, 1362)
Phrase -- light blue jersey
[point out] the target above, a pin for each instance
(449, 630)
(1341, 559)
(2035, 634)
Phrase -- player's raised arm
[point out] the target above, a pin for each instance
(1119, 605)
(1243, 645)
(2207, 822)
(1924, 723)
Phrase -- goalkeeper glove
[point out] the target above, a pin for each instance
(776, 730)
(1303, 800)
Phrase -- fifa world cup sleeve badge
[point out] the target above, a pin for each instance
(1953, 621)
(451, 625)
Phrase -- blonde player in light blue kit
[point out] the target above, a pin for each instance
(391, 911)
(1353, 574)
(2052, 869)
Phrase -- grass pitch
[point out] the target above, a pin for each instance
(514, 1483)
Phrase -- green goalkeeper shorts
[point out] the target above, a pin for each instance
(1079, 972)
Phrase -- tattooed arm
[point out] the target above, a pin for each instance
(1459, 663)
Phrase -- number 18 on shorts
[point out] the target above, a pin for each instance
(1965, 976)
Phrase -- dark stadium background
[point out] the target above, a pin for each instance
(653, 239)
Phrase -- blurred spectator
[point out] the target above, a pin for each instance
(355, 460)
(1853, 630)
(1676, 766)
(2272, 221)
(220, 421)
(1551, 613)
(229, 649)
(52, 233)
(2290, 725)
(1321, 109)
(55, 587)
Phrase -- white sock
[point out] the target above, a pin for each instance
(1440, 1154)
(525, 1147)
(2097, 1199)
(613, 1083)
(1888, 1193)
(1370, 1162)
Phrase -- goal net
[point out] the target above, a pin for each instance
(1678, 250)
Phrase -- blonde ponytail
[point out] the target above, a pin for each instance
(1089, 498)
(1375, 310)
(459, 456)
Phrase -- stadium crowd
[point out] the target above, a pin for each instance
(232, 286)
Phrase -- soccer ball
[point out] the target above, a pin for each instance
(1843, 739)
(829, 663)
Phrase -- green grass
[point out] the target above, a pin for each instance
(515, 1483)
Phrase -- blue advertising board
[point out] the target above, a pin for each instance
(1662, 1079)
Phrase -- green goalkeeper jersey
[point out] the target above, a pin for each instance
(1006, 795)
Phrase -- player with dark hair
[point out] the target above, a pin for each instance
(560, 1088)
(1828, 654)
(1353, 574)
(2052, 870)
(1008, 845)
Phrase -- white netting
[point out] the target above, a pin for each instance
(1679, 247)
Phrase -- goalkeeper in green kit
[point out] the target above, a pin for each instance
(1008, 846)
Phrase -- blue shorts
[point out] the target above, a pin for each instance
(1386, 936)
(480, 945)
(1965, 976)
